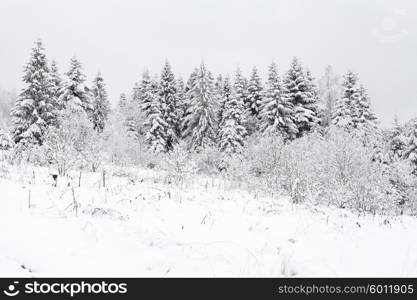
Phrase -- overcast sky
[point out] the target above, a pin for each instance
(375, 38)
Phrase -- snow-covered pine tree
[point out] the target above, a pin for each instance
(255, 93)
(345, 113)
(75, 95)
(100, 103)
(145, 93)
(218, 85)
(218, 91)
(155, 122)
(225, 94)
(182, 104)
(312, 94)
(240, 87)
(55, 82)
(34, 109)
(329, 92)
(188, 100)
(201, 116)
(366, 118)
(232, 133)
(136, 93)
(397, 141)
(297, 90)
(276, 110)
(168, 97)
(411, 147)
(127, 110)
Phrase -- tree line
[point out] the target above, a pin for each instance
(203, 111)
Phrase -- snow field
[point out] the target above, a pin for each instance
(141, 225)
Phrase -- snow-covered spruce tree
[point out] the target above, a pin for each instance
(130, 113)
(411, 147)
(188, 100)
(136, 93)
(34, 109)
(75, 95)
(218, 93)
(312, 93)
(276, 110)
(366, 118)
(297, 90)
(254, 93)
(353, 110)
(397, 141)
(156, 127)
(100, 103)
(201, 116)
(240, 87)
(345, 113)
(232, 133)
(145, 93)
(225, 95)
(182, 104)
(169, 105)
(329, 91)
(55, 84)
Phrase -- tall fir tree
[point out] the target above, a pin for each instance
(345, 113)
(34, 109)
(100, 103)
(201, 117)
(55, 84)
(276, 110)
(155, 124)
(232, 133)
(298, 91)
(255, 93)
(240, 87)
(225, 95)
(146, 93)
(168, 97)
(182, 104)
(353, 110)
(75, 95)
(136, 93)
(397, 141)
(218, 91)
(189, 95)
(365, 116)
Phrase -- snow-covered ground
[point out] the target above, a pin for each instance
(139, 225)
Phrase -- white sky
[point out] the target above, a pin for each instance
(376, 38)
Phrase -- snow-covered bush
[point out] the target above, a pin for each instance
(178, 164)
(209, 160)
(5, 140)
(120, 146)
(263, 154)
(4, 163)
(402, 186)
(333, 169)
(72, 144)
